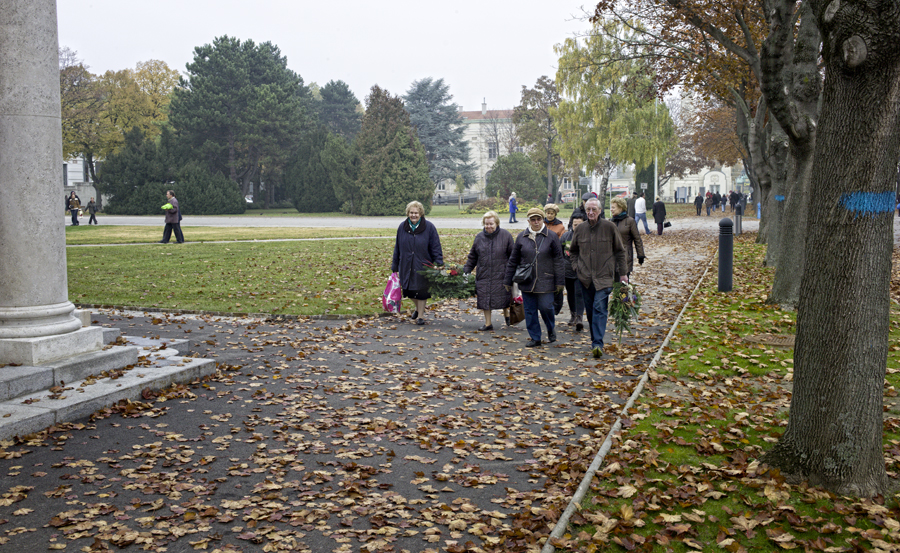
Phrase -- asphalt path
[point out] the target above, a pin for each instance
(361, 435)
(685, 223)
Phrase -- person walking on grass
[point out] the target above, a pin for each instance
(417, 244)
(489, 255)
(173, 219)
(597, 253)
(539, 247)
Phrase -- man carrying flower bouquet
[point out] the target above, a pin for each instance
(596, 252)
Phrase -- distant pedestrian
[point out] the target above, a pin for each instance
(73, 204)
(92, 210)
(724, 202)
(708, 202)
(659, 215)
(628, 232)
(698, 203)
(597, 253)
(640, 211)
(173, 219)
(513, 207)
(417, 244)
(539, 247)
(489, 255)
(629, 205)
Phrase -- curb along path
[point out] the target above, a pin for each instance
(361, 435)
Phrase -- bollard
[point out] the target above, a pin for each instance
(726, 254)
(738, 218)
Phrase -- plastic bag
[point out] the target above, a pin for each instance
(393, 295)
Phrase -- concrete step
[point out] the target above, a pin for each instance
(33, 398)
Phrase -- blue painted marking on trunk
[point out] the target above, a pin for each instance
(779, 198)
(868, 203)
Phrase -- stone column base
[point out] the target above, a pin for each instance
(36, 351)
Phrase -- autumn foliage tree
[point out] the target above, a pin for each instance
(537, 126)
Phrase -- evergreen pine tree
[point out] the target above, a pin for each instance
(440, 128)
(339, 110)
(342, 163)
(307, 179)
(393, 169)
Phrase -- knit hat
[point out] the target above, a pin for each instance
(535, 211)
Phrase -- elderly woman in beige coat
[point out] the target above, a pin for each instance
(628, 230)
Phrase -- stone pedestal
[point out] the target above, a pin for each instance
(33, 286)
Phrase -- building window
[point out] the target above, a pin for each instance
(520, 149)
(441, 186)
(492, 150)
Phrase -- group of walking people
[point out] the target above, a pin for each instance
(714, 200)
(544, 260)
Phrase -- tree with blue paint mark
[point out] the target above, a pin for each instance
(834, 434)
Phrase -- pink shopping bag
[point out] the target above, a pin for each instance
(393, 295)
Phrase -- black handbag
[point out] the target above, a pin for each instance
(523, 273)
(667, 224)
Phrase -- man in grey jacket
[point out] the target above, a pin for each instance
(596, 253)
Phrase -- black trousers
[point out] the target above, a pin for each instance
(167, 232)
(93, 218)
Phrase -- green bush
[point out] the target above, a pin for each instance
(500, 206)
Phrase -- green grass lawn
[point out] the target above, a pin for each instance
(685, 475)
(108, 234)
(299, 278)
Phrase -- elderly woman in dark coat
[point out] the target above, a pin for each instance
(538, 245)
(490, 253)
(628, 231)
(417, 245)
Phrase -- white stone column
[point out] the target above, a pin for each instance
(37, 319)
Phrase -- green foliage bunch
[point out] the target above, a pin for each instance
(449, 281)
(393, 170)
(624, 304)
(517, 173)
(339, 109)
(341, 160)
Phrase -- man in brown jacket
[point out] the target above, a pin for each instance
(596, 251)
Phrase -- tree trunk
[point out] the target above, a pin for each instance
(773, 204)
(791, 86)
(549, 167)
(834, 433)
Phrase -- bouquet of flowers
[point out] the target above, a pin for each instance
(624, 304)
(448, 281)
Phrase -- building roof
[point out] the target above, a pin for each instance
(489, 114)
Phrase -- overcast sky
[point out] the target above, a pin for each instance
(481, 48)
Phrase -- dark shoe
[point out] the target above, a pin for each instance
(486, 327)
(551, 337)
(161, 242)
(532, 343)
(507, 320)
(597, 353)
(571, 321)
(415, 315)
(579, 326)
(420, 322)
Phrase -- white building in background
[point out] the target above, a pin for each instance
(490, 134)
(77, 177)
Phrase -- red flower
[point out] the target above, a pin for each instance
(453, 272)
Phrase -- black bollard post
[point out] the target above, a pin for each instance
(738, 218)
(726, 254)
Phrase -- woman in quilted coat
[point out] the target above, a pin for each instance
(489, 254)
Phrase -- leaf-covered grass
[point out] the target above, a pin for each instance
(298, 278)
(686, 474)
(108, 234)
